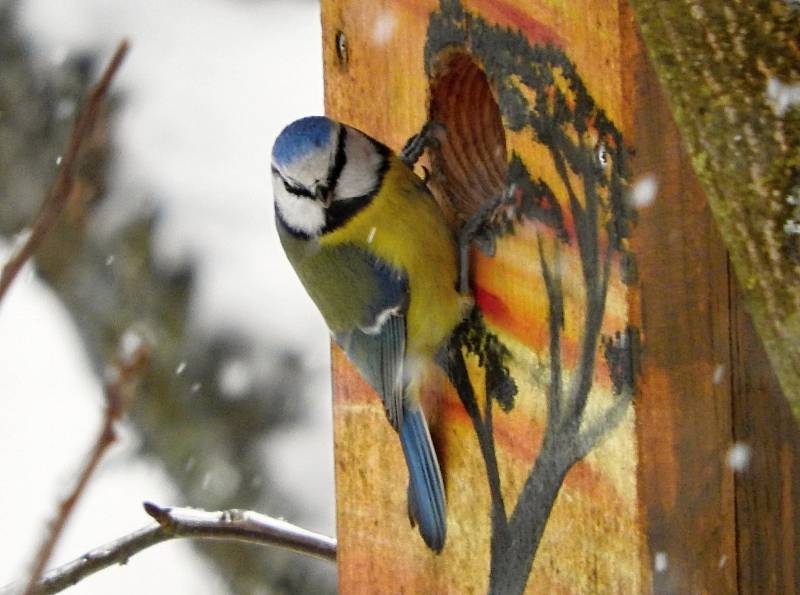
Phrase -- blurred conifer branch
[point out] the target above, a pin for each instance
(59, 192)
(209, 441)
(128, 366)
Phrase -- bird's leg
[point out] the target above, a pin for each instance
(417, 144)
(476, 229)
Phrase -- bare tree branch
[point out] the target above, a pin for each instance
(239, 525)
(126, 369)
(59, 192)
(242, 525)
(131, 361)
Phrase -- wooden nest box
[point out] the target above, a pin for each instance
(642, 443)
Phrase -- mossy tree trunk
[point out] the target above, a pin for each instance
(725, 67)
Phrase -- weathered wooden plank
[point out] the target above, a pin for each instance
(381, 84)
(684, 417)
(720, 63)
(558, 486)
(767, 489)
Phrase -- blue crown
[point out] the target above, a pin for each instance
(301, 137)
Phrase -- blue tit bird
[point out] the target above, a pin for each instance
(372, 249)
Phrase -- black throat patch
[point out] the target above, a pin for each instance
(341, 211)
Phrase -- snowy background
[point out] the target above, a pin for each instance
(207, 86)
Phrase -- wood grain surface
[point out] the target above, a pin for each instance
(562, 487)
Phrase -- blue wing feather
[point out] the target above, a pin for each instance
(379, 358)
(364, 300)
(377, 345)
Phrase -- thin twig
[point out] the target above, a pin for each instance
(59, 191)
(237, 525)
(241, 525)
(130, 362)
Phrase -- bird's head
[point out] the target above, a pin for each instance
(323, 172)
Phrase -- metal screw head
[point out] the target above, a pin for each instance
(341, 48)
(602, 156)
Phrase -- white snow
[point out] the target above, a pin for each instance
(719, 374)
(782, 96)
(52, 405)
(644, 190)
(791, 227)
(208, 85)
(130, 344)
(17, 242)
(738, 457)
(383, 29)
(660, 562)
(235, 378)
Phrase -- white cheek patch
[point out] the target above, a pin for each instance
(311, 169)
(360, 174)
(303, 215)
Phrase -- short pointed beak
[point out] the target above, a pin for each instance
(324, 196)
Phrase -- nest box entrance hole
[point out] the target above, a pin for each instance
(469, 166)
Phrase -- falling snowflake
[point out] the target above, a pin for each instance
(660, 562)
(719, 374)
(739, 456)
(782, 96)
(384, 28)
(791, 227)
(235, 379)
(130, 345)
(644, 191)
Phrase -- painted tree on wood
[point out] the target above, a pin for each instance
(540, 93)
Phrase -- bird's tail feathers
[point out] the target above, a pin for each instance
(426, 503)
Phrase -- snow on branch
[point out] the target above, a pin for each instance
(238, 525)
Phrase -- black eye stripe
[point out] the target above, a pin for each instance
(294, 190)
(297, 191)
